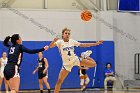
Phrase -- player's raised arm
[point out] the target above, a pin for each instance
(53, 44)
(33, 51)
(91, 44)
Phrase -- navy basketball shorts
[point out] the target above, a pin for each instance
(41, 74)
(11, 71)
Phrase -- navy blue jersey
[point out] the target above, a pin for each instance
(83, 71)
(41, 64)
(15, 50)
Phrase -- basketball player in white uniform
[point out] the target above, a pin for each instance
(70, 59)
(3, 62)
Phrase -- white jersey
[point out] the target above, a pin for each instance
(3, 64)
(67, 50)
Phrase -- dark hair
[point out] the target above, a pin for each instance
(40, 52)
(14, 38)
(3, 53)
(108, 64)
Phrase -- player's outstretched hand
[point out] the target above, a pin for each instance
(34, 72)
(55, 39)
(46, 47)
(100, 42)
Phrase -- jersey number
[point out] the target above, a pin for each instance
(69, 53)
(40, 64)
(12, 49)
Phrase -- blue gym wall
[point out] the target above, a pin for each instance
(101, 54)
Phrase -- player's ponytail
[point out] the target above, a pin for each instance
(14, 39)
(6, 41)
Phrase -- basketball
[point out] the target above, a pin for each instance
(86, 15)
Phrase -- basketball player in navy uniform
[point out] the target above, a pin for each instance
(11, 70)
(42, 72)
(84, 79)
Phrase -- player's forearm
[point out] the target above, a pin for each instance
(32, 51)
(36, 69)
(88, 44)
(52, 44)
(80, 67)
(46, 67)
(83, 67)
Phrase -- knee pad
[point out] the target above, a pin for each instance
(82, 82)
(87, 81)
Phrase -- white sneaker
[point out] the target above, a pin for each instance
(86, 54)
(7, 91)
